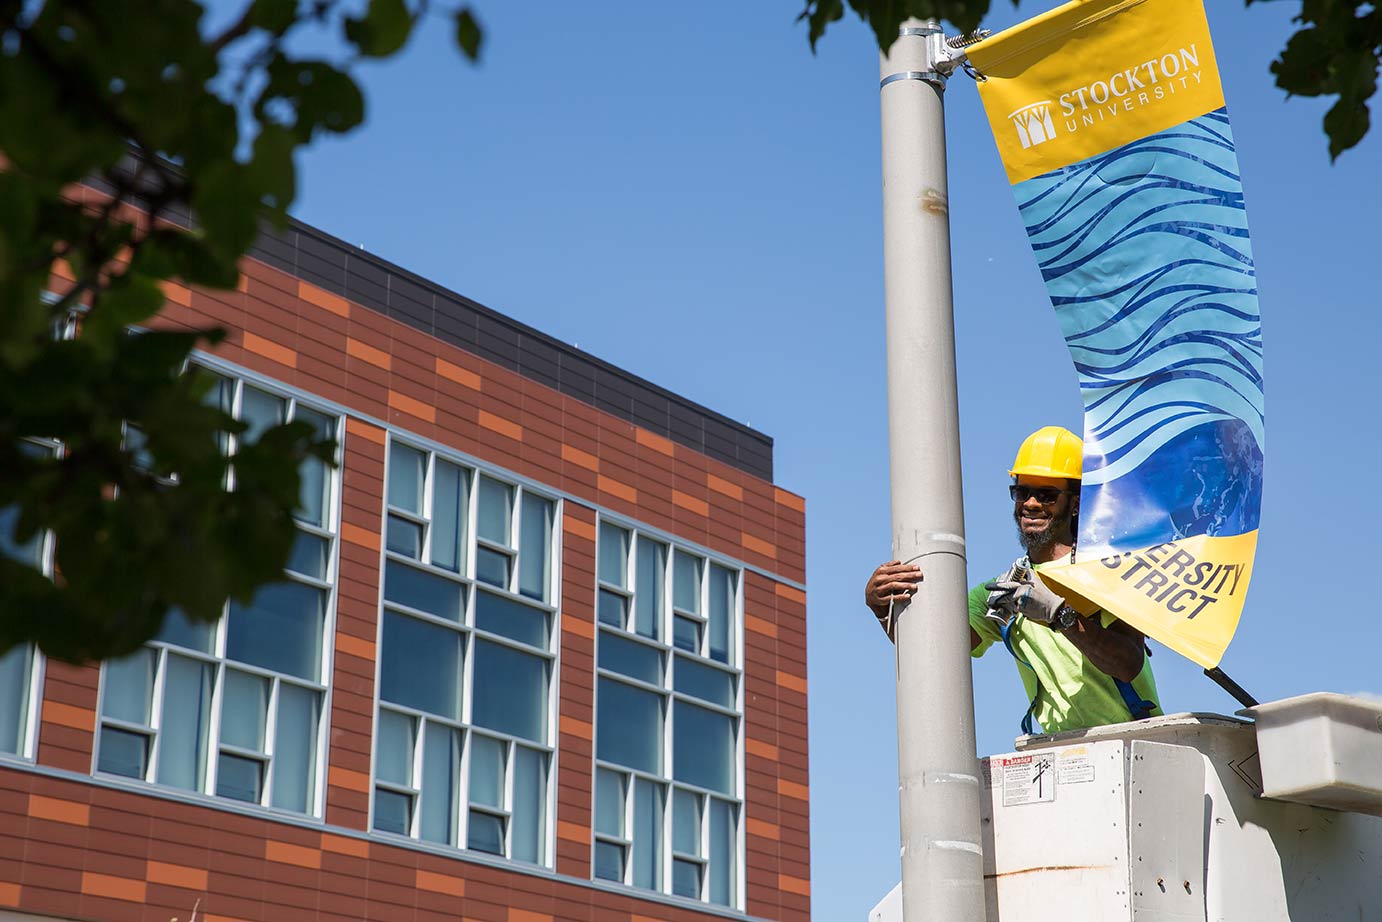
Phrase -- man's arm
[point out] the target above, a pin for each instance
(890, 587)
(1116, 650)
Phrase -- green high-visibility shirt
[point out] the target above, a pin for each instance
(1073, 693)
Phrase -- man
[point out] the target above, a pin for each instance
(1079, 671)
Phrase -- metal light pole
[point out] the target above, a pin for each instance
(938, 773)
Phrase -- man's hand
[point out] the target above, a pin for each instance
(893, 583)
(1027, 595)
(1002, 592)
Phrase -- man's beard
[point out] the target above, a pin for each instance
(1057, 528)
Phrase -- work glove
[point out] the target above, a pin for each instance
(1029, 596)
(1002, 592)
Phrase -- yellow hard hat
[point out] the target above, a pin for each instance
(1050, 452)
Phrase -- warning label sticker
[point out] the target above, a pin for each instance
(1074, 766)
(1029, 779)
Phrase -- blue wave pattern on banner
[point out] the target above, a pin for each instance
(1146, 257)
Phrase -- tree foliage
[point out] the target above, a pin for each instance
(140, 102)
(1336, 52)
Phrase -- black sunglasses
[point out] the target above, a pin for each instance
(1044, 495)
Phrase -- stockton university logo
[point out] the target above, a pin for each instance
(1033, 123)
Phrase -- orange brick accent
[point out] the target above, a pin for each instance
(728, 488)
(358, 646)
(440, 883)
(211, 917)
(364, 430)
(578, 627)
(759, 626)
(67, 715)
(501, 425)
(323, 299)
(287, 853)
(621, 490)
(583, 458)
(339, 777)
(790, 500)
(758, 545)
(178, 294)
(176, 875)
(761, 828)
(793, 884)
(760, 748)
(270, 350)
(462, 376)
(59, 811)
(654, 441)
(579, 528)
(572, 832)
(344, 845)
(9, 894)
(360, 536)
(792, 789)
(527, 915)
(115, 888)
(577, 727)
(790, 592)
(405, 404)
(787, 680)
(698, 506)
(367, 353)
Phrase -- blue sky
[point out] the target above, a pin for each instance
(688, 193)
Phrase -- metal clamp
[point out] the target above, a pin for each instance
(941, 55)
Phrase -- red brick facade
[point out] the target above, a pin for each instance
(100, 851)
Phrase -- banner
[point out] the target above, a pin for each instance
(1110, 120)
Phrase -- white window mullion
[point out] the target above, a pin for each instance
(213, 756)
(462, 805)
(515, 539)
(270, 741)
(428, 481)
(156, 710)
(416, 779)
(472, 517)
(630, 782)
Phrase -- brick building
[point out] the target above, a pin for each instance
(539, 655)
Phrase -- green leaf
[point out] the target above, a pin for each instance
(321, 97)
(225, 204)
(276, 16)
(1336, 53)
(185, 255)
(885, 17)
(272, 171)
(383, 30)
(130, 299)
(1345, 123)
(469, 35)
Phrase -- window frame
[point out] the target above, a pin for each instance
(63, 328)
(670, 653)
(470, 636)
(218, 660)
(29, 721)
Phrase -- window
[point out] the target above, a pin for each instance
(18, 673)
(668, 718)
(234, 708)
(463, 751)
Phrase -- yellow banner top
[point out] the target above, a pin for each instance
(1069, 84)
